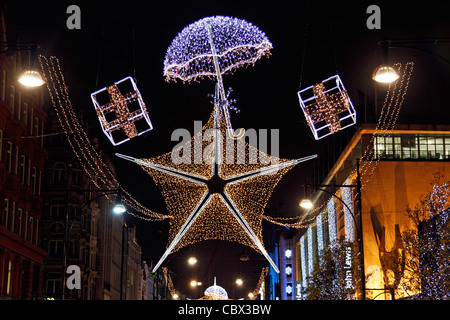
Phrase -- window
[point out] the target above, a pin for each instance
(9, 151)
(25, 233)
(412, 147)
(57, 211)
(59, 173)
(13, 215)
(6, 213)
(19, 221)
(36, 126)
(3, 85)
(25, 114)
(31, 222)
(55, 248)
(12, 94)
(31, 120)
(36, 240)
(29, 173)
(22, 170)
(1, 144)
(8, 281)
(16, 161)
(19, 107)
(53, 288)
(33, 180)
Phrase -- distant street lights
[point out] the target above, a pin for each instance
(323, 188)
(192, 260)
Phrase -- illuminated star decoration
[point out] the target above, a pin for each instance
(213, 197)
(121, 111)
(211, 47)
(327, 107)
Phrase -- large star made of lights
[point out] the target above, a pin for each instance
(220, 195)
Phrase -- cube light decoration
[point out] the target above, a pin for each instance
(327, 107)
(121, 111)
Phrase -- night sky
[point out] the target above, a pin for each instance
(103, 52)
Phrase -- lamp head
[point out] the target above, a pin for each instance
(385, 74)
(119, 208)
(306, 204)
(31, 78)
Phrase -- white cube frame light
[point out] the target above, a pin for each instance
(327, 107)
(121, 111)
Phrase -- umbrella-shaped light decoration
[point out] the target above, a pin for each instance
(213, 46)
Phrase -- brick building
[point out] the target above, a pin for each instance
(22, 159)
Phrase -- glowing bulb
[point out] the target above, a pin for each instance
(194, 283)
(119, 208)
(385, 74)
(31, 78)
(306, 204)
(251, 295)
(192, 260)
(239, 281)
(288, 253)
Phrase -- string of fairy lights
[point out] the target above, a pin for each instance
(252, 296)
(201, 212)
(392, 105)
(183, 197)
(92, 162)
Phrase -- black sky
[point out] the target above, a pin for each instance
(338, 39)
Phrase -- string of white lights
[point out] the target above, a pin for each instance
(87, 155)
(390, 111)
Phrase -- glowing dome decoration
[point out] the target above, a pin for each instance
(216, 292)
(236, 43)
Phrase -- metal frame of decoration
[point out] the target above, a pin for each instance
(327, 107)
(120, 113)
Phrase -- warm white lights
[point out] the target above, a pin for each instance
(385, 74)
(239, 281)
(195, 283)
(31, 78)
(236, 203)
(192, 260)
(121, 111)
(306, 204)
(327, 107)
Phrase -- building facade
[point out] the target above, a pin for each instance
(398, 170)
(22, 159)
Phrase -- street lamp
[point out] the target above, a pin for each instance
(119, 208)
(386, 73)
(306, 204)
(31, 77)
(195, 283)
(192, 260)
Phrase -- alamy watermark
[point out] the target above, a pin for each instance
(74, 280)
